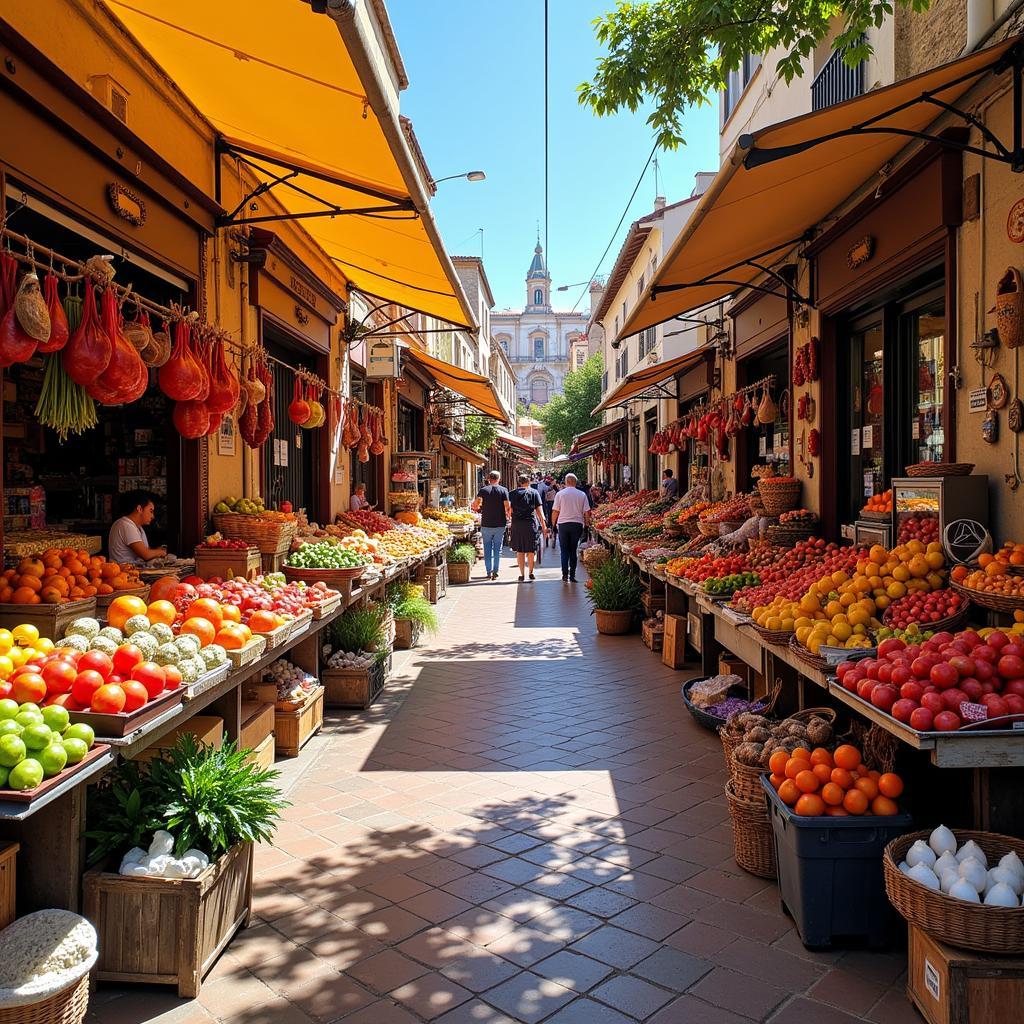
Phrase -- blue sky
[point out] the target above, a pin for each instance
(476, 98)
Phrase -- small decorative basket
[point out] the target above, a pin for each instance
(919, 469)
(994, 602)
(779, 494)
(1009, 308)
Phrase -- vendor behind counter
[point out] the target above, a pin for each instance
(127, 541)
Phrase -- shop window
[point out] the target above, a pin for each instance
(410, 427)
(538, 348)
(604, 382)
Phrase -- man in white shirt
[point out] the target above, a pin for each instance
(127, 541)
(571, 514)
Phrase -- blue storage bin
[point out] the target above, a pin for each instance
(830, 873)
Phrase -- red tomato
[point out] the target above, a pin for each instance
(135, 695)
(1010, 666)
(109, 699)
(59, 675)
(947, 721)
(85, 685)
(96, 661)
(126, 657)
(28, 688)
(933, 702)
(922, 719)
(152, 676)
(5, 688)
(903, 709)
(173, 677)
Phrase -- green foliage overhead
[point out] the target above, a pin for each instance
(569, 413)
(479, 433)
(679, 53)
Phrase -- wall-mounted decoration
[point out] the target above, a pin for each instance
(860, 252)
(998, 391)
(301, 316)
(990, 427)
(1009, 308)
(1015, 222)
(126, 204)
(226, 436)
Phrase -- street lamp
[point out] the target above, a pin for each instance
(566, 287)
(468, 175)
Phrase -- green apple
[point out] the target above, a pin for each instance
(56, 717)
(27, 718)
(75, 749)
(12, 750)
(26, 774)
(9, 725)
(80, 731)
(8, 708)
(29, 706)
(37, 736)
(53, 758)
(4, 773)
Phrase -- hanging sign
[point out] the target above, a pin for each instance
(868, 441)
(382, 358)
(855, 441)
(977, 399)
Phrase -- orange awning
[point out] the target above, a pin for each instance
(461, 451)
(650, 376)
(513, 441)
(759, 206)
(279, 84)
(477, 390)
(596, 434)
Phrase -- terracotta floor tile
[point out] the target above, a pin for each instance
(734, 992)
(632, 996)
(431, 995)
(436, 905)
(689, 1009)
(437, 947)
(601, 902)
(651, 921)
(480, 926)
(398, 887)
(525, 945)
(386, 971)
(615, 946)
(848, 990)
(480, 970)
(528, 998)
(672, 969)
(475, 1012)
(477, 887)
(392, 924)
(573, 970)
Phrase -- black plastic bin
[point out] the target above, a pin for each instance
(830, 874)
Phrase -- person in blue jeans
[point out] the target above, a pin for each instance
(571, 514)
(495, 512)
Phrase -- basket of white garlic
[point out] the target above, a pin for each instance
(293, 684)
(159, 860)
(44, 970)
(963, 888)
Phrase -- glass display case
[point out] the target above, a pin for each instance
(924, 506)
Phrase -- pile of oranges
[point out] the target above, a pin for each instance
(208, 620)
(816, 783)
(880, 504)
(993, 574)
(59, 575)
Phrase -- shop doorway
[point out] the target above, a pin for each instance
(892, 365)
(767, 444)
(651, 428)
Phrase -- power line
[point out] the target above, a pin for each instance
(629, 203)
(547, 252)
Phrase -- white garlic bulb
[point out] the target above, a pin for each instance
(1004, 876)
(972, 849)
(963, 890)
(1013, 863)
(1001, 896)
(923, 874)
(920, 853)
(946, 862)
(948, 879)
(942, 840)
(974, 872)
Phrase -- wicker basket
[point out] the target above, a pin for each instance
(801, 653)
(779, 496)
(950, 624)
(772, 636)
(875, 517)
(708, 529)
(746, 781)
(788, 536)
(753, 841)
(271, 536)
(65, 1007)
(940, 469)
(967, 925)
(1009, 308)
(994, 602)
(700, 716)
(691, 529)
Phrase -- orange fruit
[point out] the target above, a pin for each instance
(855, 802)
(823, 773)
(819, 755)
(162, 611)
(776, 780)
(884, 807)
(868, 787)
(777, 762)
(796, 765)
(801, 754)
(862, 771)
(890, 785)
(837, 812)
(122, 608)
(201, 628)
(811, 805)
(206, 608)
(846, 756)
(788, 793)
(832, 794)
(231, 612)
(806, 782)
(842, 778)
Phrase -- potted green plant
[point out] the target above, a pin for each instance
(360, 646)
(203, 801)
(413, 614)
(614, 592)
(460, 561)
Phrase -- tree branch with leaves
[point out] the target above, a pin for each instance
(570, 413)
(679, 53)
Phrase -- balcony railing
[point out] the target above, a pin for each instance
(836, 82)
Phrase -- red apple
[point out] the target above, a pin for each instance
(947, 721)
(943, 675)
(903, 709)
(922, 719)
(933, 702)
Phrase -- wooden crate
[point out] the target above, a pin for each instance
(459, 572)
(673, 651)
(225, 562)
(272, 563)
(293, 729)
(257, 724)
(168, 931)
(49, 619)
(8, 882)
(653, 637)
(407, 634)
(956, 986)
(730, 665)
(207, 729)
(652, 603)
(354, 687)
(262, 755)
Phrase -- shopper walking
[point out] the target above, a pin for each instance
(571, 514)
(548, 499)
(527, 525)
(495, 511)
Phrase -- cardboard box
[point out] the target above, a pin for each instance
(207, 729)
(673, 650)
(257, 724)
(957, 986)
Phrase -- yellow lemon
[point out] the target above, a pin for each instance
(6, 666)
(25, 635)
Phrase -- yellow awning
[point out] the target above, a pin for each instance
(477, 390)
(640, 380)
(461, 451)
(281, 86)
(755, 210)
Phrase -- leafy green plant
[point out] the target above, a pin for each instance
(209, 799)
(613, 588)
(360, 629)
(418, 610)
(462, 553)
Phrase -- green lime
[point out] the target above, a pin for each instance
(37, 736)
(75, 749)
(53, 759)
(27, 718)
(12, 750)
(80, 731)
(8, 708)
(56, 717)
(9, 725)
(26, 774)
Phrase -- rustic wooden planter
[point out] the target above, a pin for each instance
(169, 931)
(8, 882)
(407, 634)
(294, 728)
(354, 687)
(613, 623)
(458, 572)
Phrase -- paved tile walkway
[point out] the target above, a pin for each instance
(529, 828)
